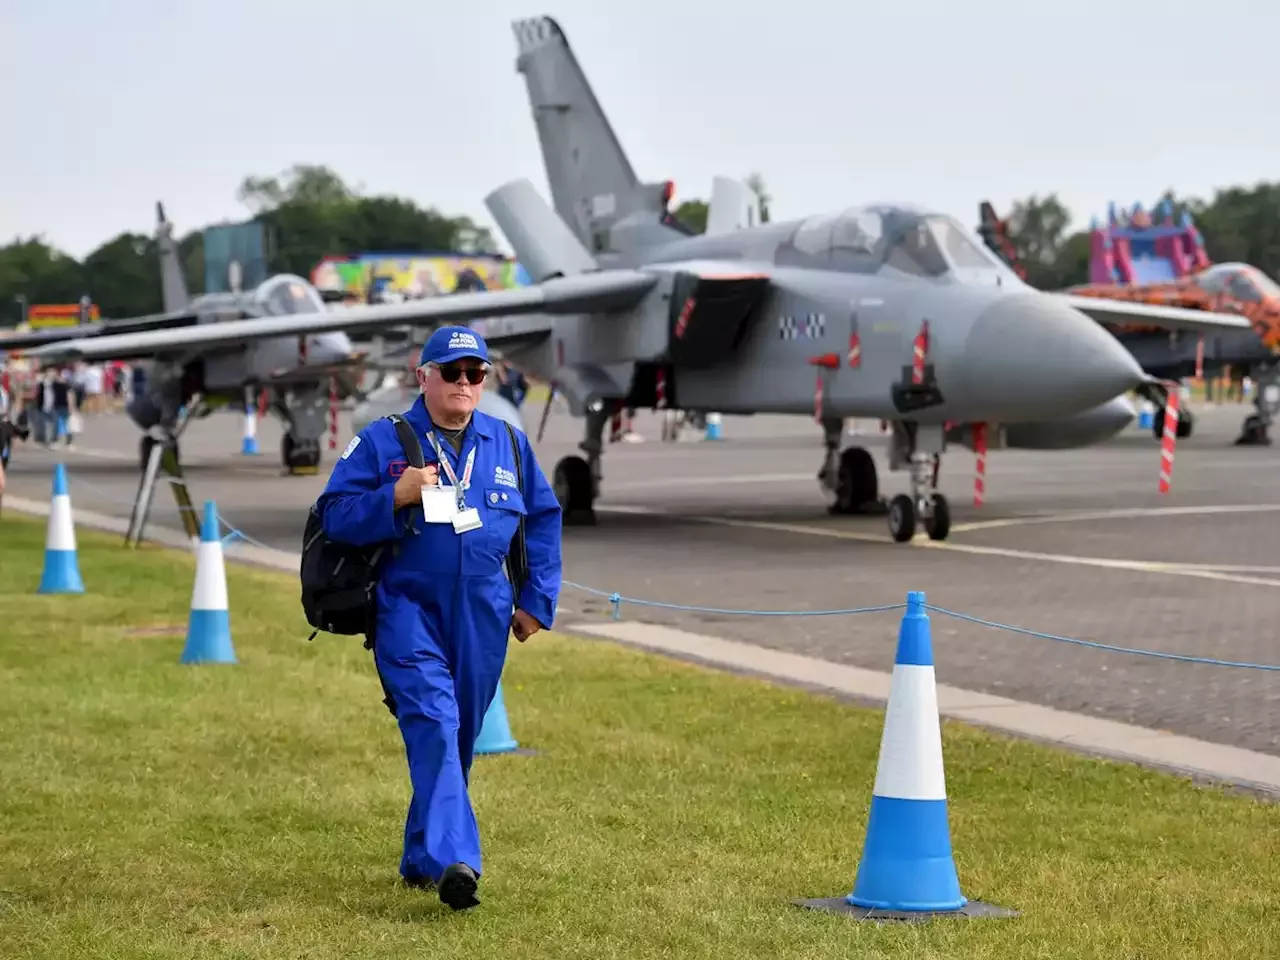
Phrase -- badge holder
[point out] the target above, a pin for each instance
(468, 519)
(439, 504)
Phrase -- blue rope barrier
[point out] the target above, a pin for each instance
(617, 599)
(1138, 651)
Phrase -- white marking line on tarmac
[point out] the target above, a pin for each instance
(1135, 513)
(1068, 730)
(1200, 571)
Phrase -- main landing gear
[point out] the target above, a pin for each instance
(1256, 429)
(849, 481)
(576, 480)
(848, 478)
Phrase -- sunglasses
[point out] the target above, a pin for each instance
(453, 372)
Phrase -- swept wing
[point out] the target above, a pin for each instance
(38, 338)
(1170, 318)
(593, 292)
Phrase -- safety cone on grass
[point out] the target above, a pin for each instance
(495, 732)
(209, 627)
(907, 870)
(61, 562)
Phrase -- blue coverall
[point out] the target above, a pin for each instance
(444, 608)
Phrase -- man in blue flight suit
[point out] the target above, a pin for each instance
(444, 603)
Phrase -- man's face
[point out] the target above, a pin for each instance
(448, 387)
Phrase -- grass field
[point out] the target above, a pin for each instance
(255, 811)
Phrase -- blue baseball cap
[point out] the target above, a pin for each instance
(454, 343)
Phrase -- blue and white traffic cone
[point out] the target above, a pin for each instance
(907, 864)
(713, 427)
(907, 871)
(249, 443)
(209, 627)
(495, 732)
(61, 563)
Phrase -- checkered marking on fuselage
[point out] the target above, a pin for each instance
(811, 326)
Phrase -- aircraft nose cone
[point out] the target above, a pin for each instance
(1037, 357)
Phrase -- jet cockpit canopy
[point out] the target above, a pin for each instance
(287, 295)
(1242, 281)
(907, 240)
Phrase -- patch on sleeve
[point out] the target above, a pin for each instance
(351, 447)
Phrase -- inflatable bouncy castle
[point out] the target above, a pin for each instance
(1135, 247)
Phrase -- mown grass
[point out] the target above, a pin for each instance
(161, 811)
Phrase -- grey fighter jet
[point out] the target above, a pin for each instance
(297, 372)
(882, 311)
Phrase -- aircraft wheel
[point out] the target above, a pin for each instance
(574, 488)
(902, 518)
(1186, 424)
(299, 457)
(939, 525)
(856, 481)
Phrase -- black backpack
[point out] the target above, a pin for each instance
(338, 579)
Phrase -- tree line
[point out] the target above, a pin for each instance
(1237, 224)
(310, 212)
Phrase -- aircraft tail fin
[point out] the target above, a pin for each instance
(173, 283)
(593, 185)
(542, 242)
(995, 234)
(734, 206)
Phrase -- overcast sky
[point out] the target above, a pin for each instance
(110, 105)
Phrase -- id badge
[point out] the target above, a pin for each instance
(439, 504)
(468, 519)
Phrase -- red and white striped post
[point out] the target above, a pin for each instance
(980, 463)
(1170, 438)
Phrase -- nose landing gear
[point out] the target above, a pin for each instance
(924, 504)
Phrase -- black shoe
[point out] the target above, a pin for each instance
(458, 887)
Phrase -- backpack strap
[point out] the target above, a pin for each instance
(517, 555)
(408, 439)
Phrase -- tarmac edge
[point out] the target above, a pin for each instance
(1199, 760)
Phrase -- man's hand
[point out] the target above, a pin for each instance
(410, 483)
(524, 626)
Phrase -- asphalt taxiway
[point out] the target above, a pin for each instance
(1077, 544)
